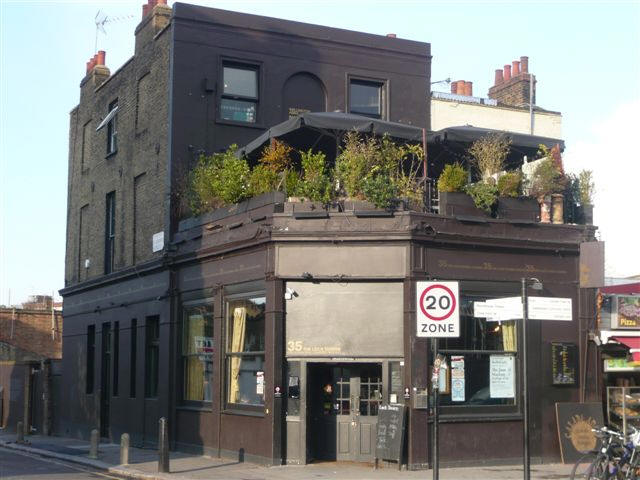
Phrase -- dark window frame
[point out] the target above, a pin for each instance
(204, 302)
(382, 83)
(91, 359)
(109, 232)
(241, 64)
(133, 360)
(482, 290)
(232, 407)
(152, 356)
(116, 358)
(112, 130)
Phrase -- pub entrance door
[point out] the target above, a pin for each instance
(343, 403)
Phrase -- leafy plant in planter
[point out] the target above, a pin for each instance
(586, 187)
(378, 170)
(275, 171)
(484, 195)
(546, 179)
(489, 153)
(218, 179)
(315, 184)
(510, 184)
(453, 178)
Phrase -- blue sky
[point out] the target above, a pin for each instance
(585, 55)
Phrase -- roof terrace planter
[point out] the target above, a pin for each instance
(585, 214)
(518, 208)
(453, 204)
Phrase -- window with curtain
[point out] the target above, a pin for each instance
(245, 350)
(482, 361)
(197, 352)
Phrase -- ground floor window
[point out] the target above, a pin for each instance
(197, 352)
(245, 351)
(482, 363)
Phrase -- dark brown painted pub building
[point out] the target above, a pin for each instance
(259, 330)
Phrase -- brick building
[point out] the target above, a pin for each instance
(30, 342)
(248, 327)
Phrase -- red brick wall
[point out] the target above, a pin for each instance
(31, 331)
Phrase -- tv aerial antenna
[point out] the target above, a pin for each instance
(102, 19)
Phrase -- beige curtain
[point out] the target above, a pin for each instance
(509, 336)
(195, 366)
(237, 345)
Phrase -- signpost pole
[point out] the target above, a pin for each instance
(434, 450)
(525, 384)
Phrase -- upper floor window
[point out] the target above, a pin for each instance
(365, 98)
(110, 232)
(112, 128)
(240, 93)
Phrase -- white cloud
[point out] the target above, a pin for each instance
(611, 152)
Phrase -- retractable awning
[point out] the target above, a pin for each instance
(308, 130)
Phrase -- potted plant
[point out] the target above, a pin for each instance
(488, 155)
(512, 204)
(586, 189)
(452, 196)
(547, 179)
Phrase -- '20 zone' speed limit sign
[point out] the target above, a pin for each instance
(437, 309)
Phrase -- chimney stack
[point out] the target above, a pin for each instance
(155, 16)
(512, 88)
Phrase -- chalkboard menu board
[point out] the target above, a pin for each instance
(564, 363)
(390, 433)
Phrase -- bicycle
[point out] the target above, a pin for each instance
(604, 463)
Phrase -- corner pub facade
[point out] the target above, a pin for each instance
(259, 331)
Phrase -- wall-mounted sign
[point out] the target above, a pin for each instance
(620, 365)
(564, 363)
(437, 309)
(502, 376)
(628, 312)
(158, 242)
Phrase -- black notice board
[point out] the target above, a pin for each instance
(390, 433)
(564, 363)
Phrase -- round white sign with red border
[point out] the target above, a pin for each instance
(437, 309)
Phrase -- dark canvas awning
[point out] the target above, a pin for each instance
(313, 129)
(469, 134)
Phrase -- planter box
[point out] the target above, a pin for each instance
(454, 204)
(520, 208)
(585, 214)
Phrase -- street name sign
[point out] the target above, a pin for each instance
(437, 309)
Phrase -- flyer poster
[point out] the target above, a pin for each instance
(457, 378)
(501, 376)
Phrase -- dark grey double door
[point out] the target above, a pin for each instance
(345, 399)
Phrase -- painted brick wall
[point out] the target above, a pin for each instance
(31, 330)
(141, 89)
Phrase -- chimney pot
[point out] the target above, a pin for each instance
(88, 66)
(161, 2)
(516, 68)
(460, 87)
(145, 10)
(101, 57)
(507, 73)
(454, 87)
(499, 78)
(468, 89)
(391, 35)
(524, 64)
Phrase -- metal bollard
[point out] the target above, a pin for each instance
(20, 433)
(124, 449)
(163, 446)
(93, 448)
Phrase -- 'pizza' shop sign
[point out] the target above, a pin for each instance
(437, 309)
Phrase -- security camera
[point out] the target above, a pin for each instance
(290, 293)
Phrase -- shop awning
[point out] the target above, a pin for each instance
(634, 346)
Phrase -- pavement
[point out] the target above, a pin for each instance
(144, 465)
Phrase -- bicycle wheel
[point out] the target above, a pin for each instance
(585, 467)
